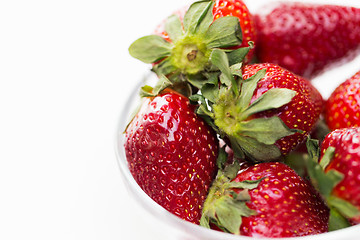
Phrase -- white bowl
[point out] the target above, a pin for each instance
(171, 226)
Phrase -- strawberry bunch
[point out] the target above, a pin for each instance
(211, 141)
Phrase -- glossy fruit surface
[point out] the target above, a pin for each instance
(265, 200)
(307, 38)
(171, 153)
(301, 113)
(343, 106)
(346, 160)
(286, 205)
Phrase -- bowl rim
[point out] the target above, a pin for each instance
(165, 217)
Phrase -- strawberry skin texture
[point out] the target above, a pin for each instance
(343, 106)
(301, 113)
(222, 8)
(307, 38)
(286, 205)
(171, 153)
(346, 160)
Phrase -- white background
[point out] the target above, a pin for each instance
(64, 74)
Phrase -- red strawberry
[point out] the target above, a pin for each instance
(222, 8)
(307, 38)
(265, 200)
(263, 111)
(172, 154)
(184, 51)
(301, 113)
(345, 160)
(343, 106)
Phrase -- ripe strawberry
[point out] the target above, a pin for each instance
(307, 38)
(264, 112)
(343, 106)
(346, 161)
(171, 153)
(184, 53)
(301, 113)
(222, 8)
(265, 200)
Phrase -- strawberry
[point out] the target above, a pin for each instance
(342, 108)
(302, 112)
(262, 110)
(346, 161)
(183, 53)
(308, 38)
(222, 8)
(333, 170)
(171, 153)
(265, 200)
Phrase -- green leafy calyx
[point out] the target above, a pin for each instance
(191, 41)
(232, 108)
(190, 55)
(226, 203)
